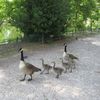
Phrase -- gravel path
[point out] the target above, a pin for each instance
(82, 84)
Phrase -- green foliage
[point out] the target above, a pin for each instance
(39, 19)
(9, 32)
(39, 16)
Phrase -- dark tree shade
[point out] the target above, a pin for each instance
(39, 19)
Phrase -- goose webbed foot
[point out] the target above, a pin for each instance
(30, 78)
(23, 78)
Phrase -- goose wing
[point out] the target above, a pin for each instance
(32, 67)
(72, 56)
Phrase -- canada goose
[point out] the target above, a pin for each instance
(45, 66)
(69, 57)
(26, 68)
(66, 65)
(66, 55)
(57, 70)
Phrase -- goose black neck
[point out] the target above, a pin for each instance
(22, 57)
(65, 49)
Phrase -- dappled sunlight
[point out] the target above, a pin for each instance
(81, 84)
(62, 90)
(76, 91)
(88, 39)
(2, 75)
(94, 41)
(10, 0)
(97, 43)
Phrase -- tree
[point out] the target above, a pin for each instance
(43, 18)
(39, 17)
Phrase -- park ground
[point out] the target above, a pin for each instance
(82, 84)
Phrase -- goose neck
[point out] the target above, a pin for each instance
(65, 49)
(22, 57)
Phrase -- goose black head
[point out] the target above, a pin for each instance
(65, 47)
(20, 50)
(65, 44)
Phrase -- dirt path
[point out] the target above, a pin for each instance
(82, 84)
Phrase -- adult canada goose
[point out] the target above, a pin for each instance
(46, 67)
(26, 68)
(66, 65)
(69, 57)
(66, 55)
(57, 70)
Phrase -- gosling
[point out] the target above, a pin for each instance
(57, 70)
(46, 67)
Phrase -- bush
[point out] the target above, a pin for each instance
(9, 33)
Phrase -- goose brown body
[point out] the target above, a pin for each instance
(46, 67)
(28, 68)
